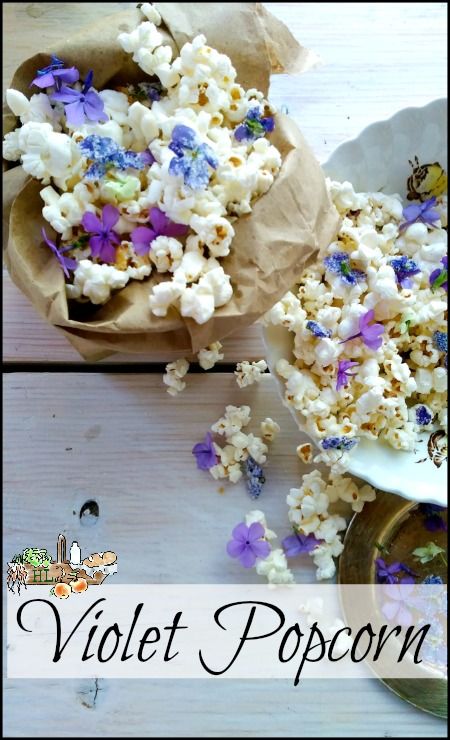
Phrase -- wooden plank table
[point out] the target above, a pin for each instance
(120, 440)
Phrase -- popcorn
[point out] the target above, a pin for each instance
(131, 167)
(344, 384)
(248, 373)
(174, 374)
(235, 419)
(275, 568)
(208, 356)
(269, 429)
(305, 453)
(96, 281)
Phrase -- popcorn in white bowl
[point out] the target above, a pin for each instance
(359, 346)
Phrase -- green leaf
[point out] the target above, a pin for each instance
(427, 553)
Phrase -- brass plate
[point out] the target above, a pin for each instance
(380, 522)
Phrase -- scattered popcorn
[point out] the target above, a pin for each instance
(248, 373)
(208, 356)
(365, 320)
(269, 429)
(305, 453)
(173, 377)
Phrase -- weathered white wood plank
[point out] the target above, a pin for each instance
(122, 441)
(378, 58)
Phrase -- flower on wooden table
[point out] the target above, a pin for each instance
(247, 544)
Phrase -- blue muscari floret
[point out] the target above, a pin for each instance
(317, 329)
(404, 268)
(432, 580)
(339, 263)
(339, 443)
(255, 477)
(440, 341)
(423, 416)
(106, 153)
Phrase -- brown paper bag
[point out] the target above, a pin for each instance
(271, 245)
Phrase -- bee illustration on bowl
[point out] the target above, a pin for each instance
(437, 447)
(426, 181)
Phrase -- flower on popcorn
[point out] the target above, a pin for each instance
(318, 330)
(254, 126)
(404, 268)
(67, 263)
(439, 276)
(143, 236)
(247, 544)
(103, 240)
(339, 443)
(339, 264)
(297, 544)
(79, 105)
(370, 333)
(343, 374)
(192, 159)
(205, 453)
(420, 213)
(55, 73)
(105, 153)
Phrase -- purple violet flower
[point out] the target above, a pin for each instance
(66, 263)
(420, 212)
(439, 277)
(339, 264)
(205, 453)
(404, 269)
(192, 158)
(339, 443)
(387, 573)
(433, 521)
(255, 477)
(254, 126)
(343, 374)
(55, 74)
(81, 104)
(317, 329)
(371, 335)
(247, 544)
(143, 236)
(104, 240)
(106, 153)
(297, 544)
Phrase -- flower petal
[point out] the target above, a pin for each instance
(46, 80)
(247, 558)
(69, 75)
(240, 532)
(235, 548)
(91, 223)
(142, 237)
(94, 107)
(255, 532)
(110, 216)
(66, 95)
(75, 114)
(96, 245)
(260, 548)
(108, 253)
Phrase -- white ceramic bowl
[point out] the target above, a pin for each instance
(378, 160)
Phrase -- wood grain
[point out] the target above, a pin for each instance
(121, 441)
(377, 58)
